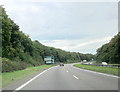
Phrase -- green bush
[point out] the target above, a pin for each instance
(10, 66)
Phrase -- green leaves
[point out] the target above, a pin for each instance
(110, 52)
(20, 49)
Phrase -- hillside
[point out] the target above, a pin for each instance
(110, 52)
(19, 51)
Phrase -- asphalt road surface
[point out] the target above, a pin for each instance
(70, 78)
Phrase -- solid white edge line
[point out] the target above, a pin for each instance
(96, 72)
(75, 77)
(31, 80)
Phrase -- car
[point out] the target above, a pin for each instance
(104, 63)
(61, 64)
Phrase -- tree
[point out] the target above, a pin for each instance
(110, 52)
(19, 49)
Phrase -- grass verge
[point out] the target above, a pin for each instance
(0, 80)
(10, 77)
(108, 70)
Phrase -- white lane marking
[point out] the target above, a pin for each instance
(31, 80)
(96, 72)
(75, 77)
(66, 71)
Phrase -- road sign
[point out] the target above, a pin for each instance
(49, 59)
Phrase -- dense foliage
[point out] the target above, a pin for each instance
(110, 52)
(8, 65)
(19, 51)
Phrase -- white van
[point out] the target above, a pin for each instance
(104, 63)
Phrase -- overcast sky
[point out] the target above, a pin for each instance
(71, 26)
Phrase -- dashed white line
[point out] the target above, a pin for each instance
(96, 72)
(66, 71)
(75, 77)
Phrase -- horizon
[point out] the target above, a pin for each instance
(69, 26)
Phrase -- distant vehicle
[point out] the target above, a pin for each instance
(104, 63)
(61, 64)
(84, 60)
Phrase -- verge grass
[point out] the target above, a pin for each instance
(108, 70)
(10, 77)
(0, 80)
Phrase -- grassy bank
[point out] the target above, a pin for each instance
(108, 70)
(0, 80)
(10, 77)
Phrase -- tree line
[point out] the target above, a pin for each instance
(19, 51)
(110, 52)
